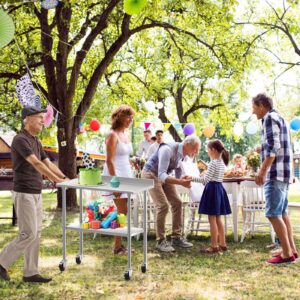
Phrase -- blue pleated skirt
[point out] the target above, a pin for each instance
(214, 200)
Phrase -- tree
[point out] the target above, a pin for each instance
(79, 42)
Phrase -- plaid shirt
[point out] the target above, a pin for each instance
(276, 141)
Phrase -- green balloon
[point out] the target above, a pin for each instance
(7, 28)
(132, 7)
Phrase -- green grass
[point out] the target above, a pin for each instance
(239, 274)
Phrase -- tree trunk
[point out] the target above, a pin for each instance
(67, 163)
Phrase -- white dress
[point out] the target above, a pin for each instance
(121, 163)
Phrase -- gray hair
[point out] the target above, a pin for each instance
(192, 139)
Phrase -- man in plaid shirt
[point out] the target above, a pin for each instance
(276, 174)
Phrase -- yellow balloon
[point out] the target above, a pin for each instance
(209, 131)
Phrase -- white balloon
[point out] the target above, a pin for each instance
(238, 129)
(159, 105)
(244, 116)
(150, 106)
(251, 128)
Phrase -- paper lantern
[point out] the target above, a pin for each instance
(238, 129)
(48, 116)
(132, 7)
(159, 105)
(295, 124)
(95, 125)
(209, 131)
(189, 129)
(251, 128)
(7, 29)
(150, 106)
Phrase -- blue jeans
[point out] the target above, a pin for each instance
(276, 193)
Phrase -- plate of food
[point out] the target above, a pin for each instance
(201, 165)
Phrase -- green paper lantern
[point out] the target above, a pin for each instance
(132, 7)
(7, 28)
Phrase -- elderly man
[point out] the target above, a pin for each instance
(276, 174)
(160, 167)
(29, 164)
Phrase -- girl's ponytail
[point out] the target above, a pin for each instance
(225, 156)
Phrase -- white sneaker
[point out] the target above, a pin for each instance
(181, 242)
(164, 246)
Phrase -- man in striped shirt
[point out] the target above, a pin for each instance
(276, 174)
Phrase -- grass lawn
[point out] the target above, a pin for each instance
(238, 274)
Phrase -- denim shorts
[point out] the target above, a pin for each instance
(276, 193)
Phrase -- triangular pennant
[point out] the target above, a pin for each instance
(147, 125)
(167, 126)
(177, 126)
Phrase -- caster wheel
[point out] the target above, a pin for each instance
(61, 266)
(78, 260)
(143, 269)
(127, 276)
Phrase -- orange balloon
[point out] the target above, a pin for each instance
(209, 131)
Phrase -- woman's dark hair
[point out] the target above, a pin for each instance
(219, 147)
(153, 138)
(264, 100)
(119, 113)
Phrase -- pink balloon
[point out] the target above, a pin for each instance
(48, 117)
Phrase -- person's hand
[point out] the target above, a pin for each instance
(260, 178)
(186, 177)
(186, 182)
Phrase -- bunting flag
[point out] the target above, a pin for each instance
(167, 126)
(177, 126)
(147, 125)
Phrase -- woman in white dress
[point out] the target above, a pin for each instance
(118, 150)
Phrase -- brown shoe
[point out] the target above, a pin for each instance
(223, 248)
(3, 274)
(121, 250)
(210, 250)
(36, 278)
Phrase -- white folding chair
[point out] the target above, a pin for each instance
(254, 205)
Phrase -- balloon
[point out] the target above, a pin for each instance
(159, 105)
(209, 131)
(295, 124)
(95, 125)
(189, 129)
(243, 116)
(132, 7)
(238, 129)
(7, 29)
(150, 106)
(48, 116)
(251, 128)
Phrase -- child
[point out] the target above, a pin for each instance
(239, 168)
(214, 201)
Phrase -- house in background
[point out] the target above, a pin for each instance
(5, 149)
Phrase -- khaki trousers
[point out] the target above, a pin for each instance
(29, 212)
(162, 195)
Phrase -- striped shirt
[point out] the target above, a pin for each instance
(276, 142)
(215, 172)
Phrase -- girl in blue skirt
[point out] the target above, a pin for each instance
(214, 201)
